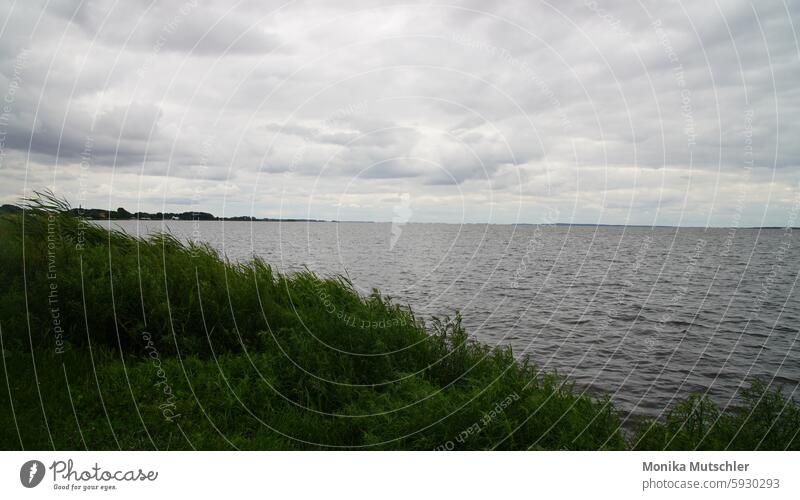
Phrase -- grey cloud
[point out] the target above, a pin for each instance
(567, 102)
(186, 26)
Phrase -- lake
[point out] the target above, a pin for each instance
(644, 314)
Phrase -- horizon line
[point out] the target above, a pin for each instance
(230, 218)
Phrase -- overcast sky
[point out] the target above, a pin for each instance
(602, 111)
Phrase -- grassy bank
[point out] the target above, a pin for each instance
(116, 342)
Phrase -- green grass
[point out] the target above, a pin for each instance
(116, 342)
(765, 420)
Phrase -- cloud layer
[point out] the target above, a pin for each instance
(606, 111)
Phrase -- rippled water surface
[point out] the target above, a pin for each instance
(646, 314)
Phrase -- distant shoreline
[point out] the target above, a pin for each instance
(560, 224)
(121, 214)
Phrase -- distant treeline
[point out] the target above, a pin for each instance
(122, 214)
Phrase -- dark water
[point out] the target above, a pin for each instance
(647, 315)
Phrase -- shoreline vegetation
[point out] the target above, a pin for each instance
(110, 341)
